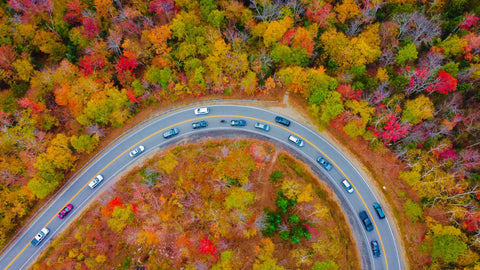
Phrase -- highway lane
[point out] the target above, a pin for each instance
(115, 159)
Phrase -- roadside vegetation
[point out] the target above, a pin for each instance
(210, 205)
(399, 76)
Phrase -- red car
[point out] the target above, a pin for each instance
(65, 211)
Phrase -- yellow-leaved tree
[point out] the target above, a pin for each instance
(275, 30)
(347, 10)
(358, 51)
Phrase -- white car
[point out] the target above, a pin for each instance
(201, 110)
(40, 236)
(296, 140)
(137, 151)
(347, 186)
(95, 181)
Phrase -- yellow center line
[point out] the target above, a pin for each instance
(205, 117)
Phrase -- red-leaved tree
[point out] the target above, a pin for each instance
(470, 224)
(470, 159)
(90, 27)
(163, 7)
(125, 66)
(446, 83)
(420, 80)
(131, 96)
(74, 12)
(469, 21)
(392, 131)
(115, 202)
(7, 56)
(28, 103)
(91, 63)
(206, 246)
(287, 38)
(448, 153)
(348, 93)
(322, 15)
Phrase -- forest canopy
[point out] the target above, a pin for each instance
(399, 75)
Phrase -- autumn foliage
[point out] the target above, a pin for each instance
(396, 74)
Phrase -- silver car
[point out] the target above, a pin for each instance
(262, 126)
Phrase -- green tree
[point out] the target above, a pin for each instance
(326, 265)
(413, 210)
(217, 18)
(42, 188)
(448, 248)
(84, 143)
(162, 76)
(407, 53)
(108, 107)
(275, 176)
(320, 84)
(446, 242)
(331, 107)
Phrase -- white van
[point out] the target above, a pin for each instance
(201, 110)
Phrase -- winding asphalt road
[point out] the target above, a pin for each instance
(115, 159)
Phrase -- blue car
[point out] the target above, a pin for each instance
(170, 133)
(379, 210)
(324, 163)
(238, 123)
(375, 248)
(200, 124)
(282, 121)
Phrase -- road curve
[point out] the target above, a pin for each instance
(115, 159)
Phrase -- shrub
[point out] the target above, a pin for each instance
(413, 210)
(275, 176)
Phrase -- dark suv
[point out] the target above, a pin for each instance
(282, 121)
(366, 221)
